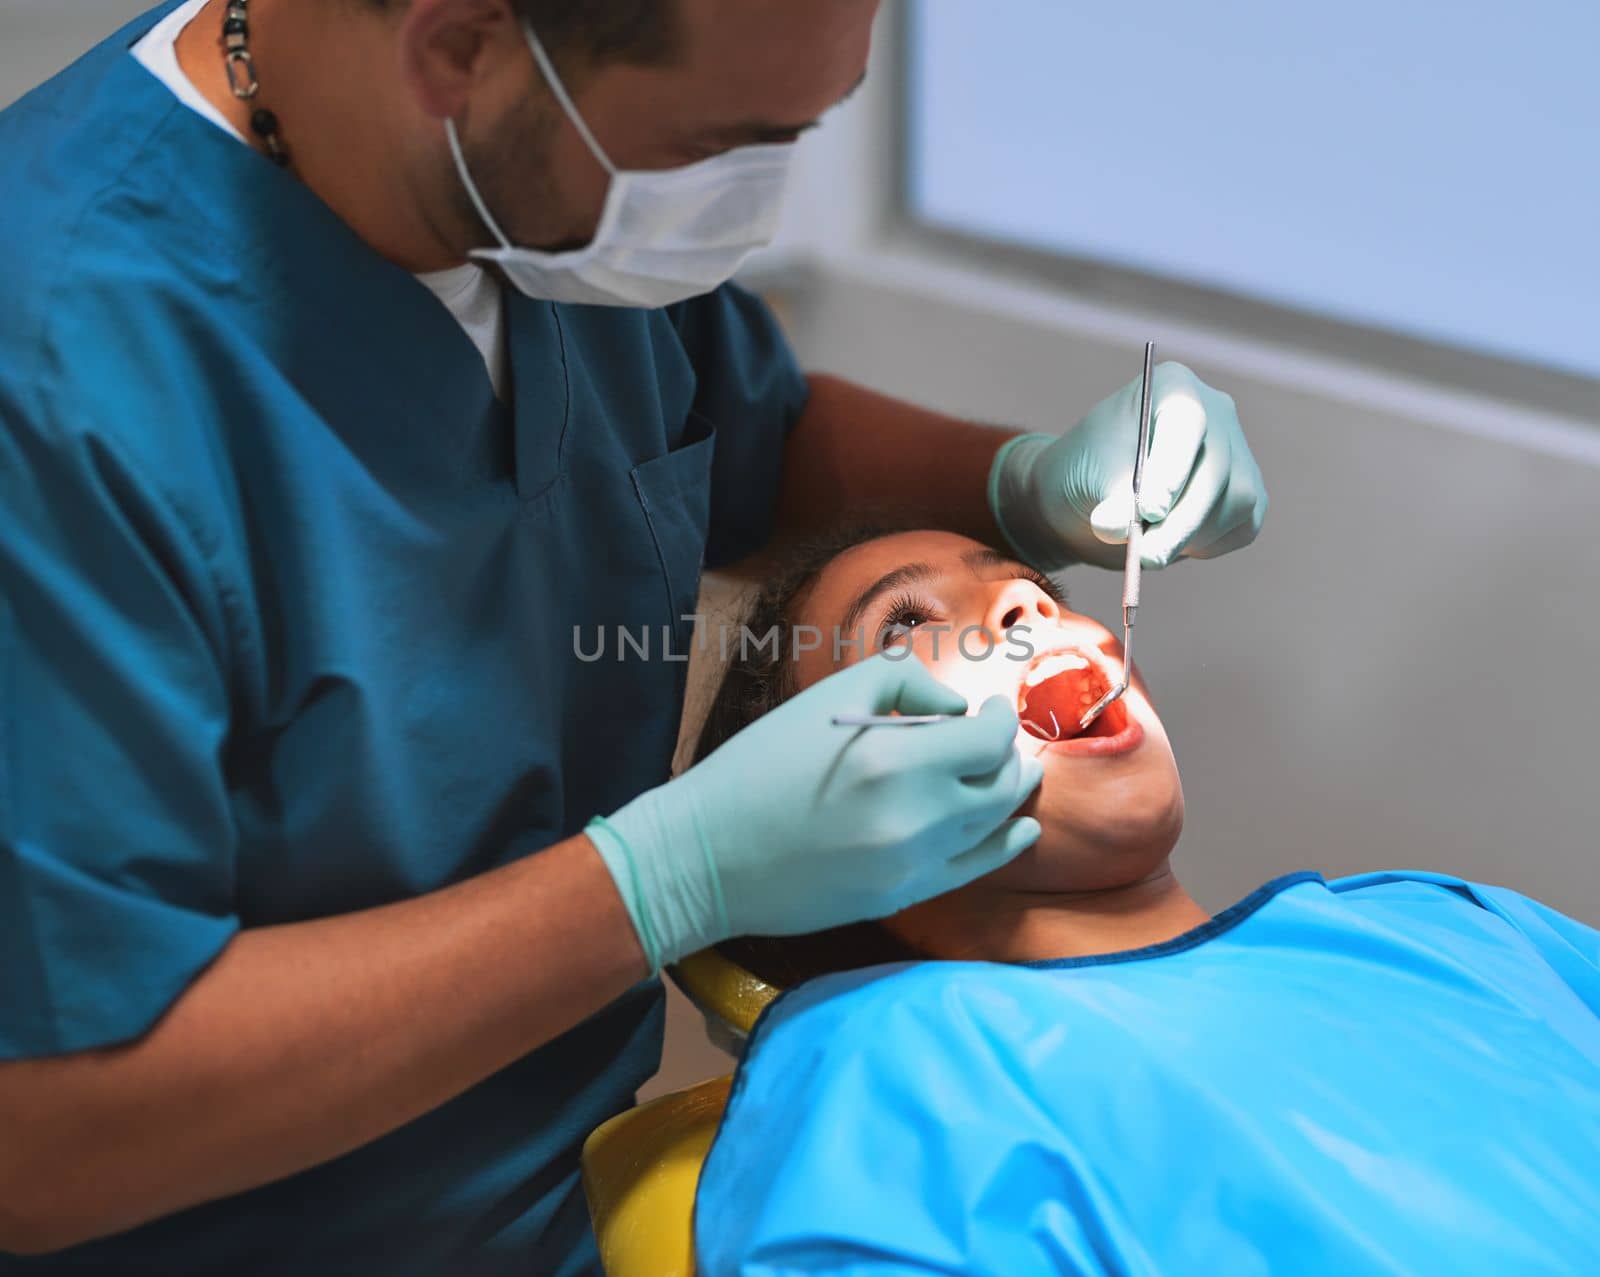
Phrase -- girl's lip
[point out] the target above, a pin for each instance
(1124, 742)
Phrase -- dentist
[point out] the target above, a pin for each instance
(354, 355)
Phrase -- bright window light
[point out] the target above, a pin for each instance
(1421, 167)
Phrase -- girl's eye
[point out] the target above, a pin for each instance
(904, 615)
(1049, 587)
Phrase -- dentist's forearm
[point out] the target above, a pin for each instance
(302, 1042)
(854, 451)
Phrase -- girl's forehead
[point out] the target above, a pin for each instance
(852, 570)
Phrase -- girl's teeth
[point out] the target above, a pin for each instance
(1053, 665)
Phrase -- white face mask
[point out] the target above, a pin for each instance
(664, 235)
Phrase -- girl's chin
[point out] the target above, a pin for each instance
(1046, 869)
(1068, 858)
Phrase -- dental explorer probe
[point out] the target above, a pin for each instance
(1130, 587)
(890, 720)
(1132, 566)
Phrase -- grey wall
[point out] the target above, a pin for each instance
(1400, 672)
(39, 37)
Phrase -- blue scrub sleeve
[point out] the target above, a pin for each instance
(872, 1135)
(749, 387)
(116, 841)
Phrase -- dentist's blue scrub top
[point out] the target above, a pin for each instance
(290, 609)
(1393, 1074)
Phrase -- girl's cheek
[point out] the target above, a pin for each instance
(975, 678)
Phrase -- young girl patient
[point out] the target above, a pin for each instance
(1074, 1069)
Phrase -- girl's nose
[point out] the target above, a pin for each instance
(1014, 603)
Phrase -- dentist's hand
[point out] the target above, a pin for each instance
(1069, 499)
(796, 825)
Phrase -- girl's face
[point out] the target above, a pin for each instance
(1111, 804)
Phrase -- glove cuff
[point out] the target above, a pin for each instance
(1016, 507)
(619, 861)
(663, 868)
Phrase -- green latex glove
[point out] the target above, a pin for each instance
(1068, 499)
(796, 825)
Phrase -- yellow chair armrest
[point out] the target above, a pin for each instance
(640, 1172)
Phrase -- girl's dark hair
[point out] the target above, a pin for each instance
(760, 676)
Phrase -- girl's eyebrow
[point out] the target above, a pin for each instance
(898, 579)
(988, 557)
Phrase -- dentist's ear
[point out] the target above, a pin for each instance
(449, 47)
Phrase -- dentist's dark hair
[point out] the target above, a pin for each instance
(599, 32)
(583, 34)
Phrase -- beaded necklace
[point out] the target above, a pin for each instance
(242, 78)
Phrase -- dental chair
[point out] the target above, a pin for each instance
(641, 1168)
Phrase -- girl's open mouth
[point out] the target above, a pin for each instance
(1057, 691)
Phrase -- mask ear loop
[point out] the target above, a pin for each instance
(472, 187)
(547, 68)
